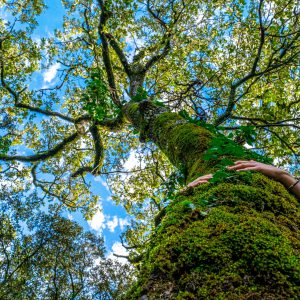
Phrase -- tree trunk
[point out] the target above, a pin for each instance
(234, 239)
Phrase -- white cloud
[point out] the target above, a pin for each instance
(61, 161)
(70, 217)
(109, 199)
(111, 225)
(37, 40)
(20, 166)
(123, 222)
(97, 222)
(101, 221)
(5, 184)
(118, 249)
(103, 182)
(247, 146)
(133, 162)
(50, 74)
(4, 16)
(115, 222)
(133, 45)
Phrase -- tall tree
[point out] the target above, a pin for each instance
(198, 82)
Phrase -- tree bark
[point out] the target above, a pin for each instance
(182, 142)
(234, 239)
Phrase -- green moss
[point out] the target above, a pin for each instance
(183, 143)
(230, 240)
(234, 239)
(132, 112)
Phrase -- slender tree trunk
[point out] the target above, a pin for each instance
(234, 239)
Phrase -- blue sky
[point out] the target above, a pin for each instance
(111, 219)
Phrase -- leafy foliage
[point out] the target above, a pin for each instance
(50, 256)
(222, 148)
(5, 143)
(96, 100)
(140, 95)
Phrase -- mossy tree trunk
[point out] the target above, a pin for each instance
(235, 239)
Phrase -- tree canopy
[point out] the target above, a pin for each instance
(232, 67)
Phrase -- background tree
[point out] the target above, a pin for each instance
(50, 257)
(189, 77)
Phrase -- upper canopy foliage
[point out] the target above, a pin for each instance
(229, 64)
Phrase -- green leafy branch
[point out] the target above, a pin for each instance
(96, 100)
(141, 94)
(4, 145)
(224, 150)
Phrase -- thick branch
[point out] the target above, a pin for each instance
(45, 112)
(99, 155)
(112, 124)
(119, 53)
(157, 57)
(99, 149)
(105, 53)
(44, 155)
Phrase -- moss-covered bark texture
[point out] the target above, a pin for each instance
(231, 240)
(235, 239)
(182, 142)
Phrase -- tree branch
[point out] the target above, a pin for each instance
(156, 16)
(44, 155)
(275, 63)
(157, 57)
(285, 143)
(99, 155)
(105, 54)
(45, 112)
(16, 96)
(264, 126)
(120, 53)
(262, 39)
